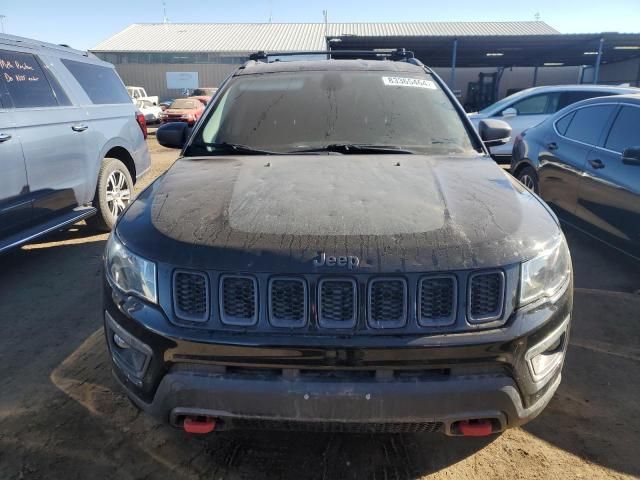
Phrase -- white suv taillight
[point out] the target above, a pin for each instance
(143, 124)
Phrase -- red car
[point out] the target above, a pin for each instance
(205, 99)
(183, 110)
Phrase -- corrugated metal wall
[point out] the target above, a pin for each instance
(154, 79)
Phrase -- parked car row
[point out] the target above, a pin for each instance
(187, 110)
(529, 107)
(204, 94)
(152, 113)
(72, 143)
(139, 93)
(578, 147)
(585, 162)
(153, 109)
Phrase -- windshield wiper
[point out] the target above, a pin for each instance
(355, 148)
(226, 147)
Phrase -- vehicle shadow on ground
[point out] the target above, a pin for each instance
(159, 449)
(595, 413)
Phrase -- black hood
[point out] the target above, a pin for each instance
(396, 213)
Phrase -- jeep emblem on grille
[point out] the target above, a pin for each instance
(350, 261)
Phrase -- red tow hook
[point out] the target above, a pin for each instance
(199, 425)
(475, 428)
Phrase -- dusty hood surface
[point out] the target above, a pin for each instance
(396, 213)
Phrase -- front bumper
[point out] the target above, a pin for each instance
(434, 405)
(405, 384)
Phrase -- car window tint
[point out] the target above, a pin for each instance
(569, 98)
(537, 104)
(101, 84)
(625, 131)
(563, 123)
(588, 123)
(25, 81)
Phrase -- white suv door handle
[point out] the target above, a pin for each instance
(79, 128)
(4, 137)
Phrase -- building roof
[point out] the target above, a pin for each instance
(507, 50)
(250, 37)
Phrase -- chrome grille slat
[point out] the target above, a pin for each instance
(437, 300)
(287, 302)
(387, 304)
(485, 296)
(191, 296)
(337, 303)
(238, 300)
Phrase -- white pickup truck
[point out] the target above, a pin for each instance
(139, 93)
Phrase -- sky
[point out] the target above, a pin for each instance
(84, 23)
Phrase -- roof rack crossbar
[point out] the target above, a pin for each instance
(399, 54)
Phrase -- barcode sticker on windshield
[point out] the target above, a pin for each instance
(408, 82)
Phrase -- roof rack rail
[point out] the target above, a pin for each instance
(399, 54)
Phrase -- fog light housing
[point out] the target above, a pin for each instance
(544, 357)
(119, 341)
(129, 354)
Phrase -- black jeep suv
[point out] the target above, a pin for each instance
(336, 250)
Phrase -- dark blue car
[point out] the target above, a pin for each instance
(585, 162)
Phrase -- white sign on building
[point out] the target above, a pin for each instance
(182, 80)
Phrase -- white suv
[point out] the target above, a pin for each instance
(530, 107)
(72, 143)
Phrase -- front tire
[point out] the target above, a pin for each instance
(113, 193)
(529, 178)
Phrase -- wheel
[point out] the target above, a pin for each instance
(113, 194)
(529, 178)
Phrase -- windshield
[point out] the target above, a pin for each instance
(289, 112)
(184, 103)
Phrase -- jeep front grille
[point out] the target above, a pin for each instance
(238, 300)
(412, 303)
(387, 303)
(337, 303)
(191, 296)
(287, 302)
(437, 296)
(486, 296)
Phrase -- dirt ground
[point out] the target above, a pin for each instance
(62, 415)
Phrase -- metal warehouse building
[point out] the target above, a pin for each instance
(481, 61)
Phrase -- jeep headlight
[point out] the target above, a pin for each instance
(546, 274)
(129, 272)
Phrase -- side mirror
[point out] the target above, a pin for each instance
(173, 135)
(510, 112)
(494, 132)
(631, 156)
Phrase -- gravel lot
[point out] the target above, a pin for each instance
(62, 415)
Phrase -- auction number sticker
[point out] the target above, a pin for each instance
(408, 82)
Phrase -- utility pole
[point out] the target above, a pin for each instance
(2, 17)
(164, 12)
(325, 14)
